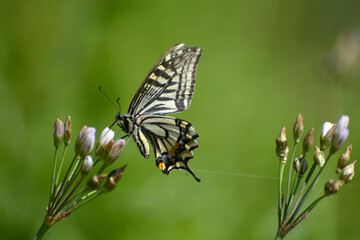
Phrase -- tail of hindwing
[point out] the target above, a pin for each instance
(174, 149)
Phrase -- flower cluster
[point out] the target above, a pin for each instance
(291, 201)
(79, 185)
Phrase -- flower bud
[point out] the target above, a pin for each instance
(344, 159)
(347, 173)
(104, 151)
(340, 133)
(115, 152)
(308, 142)
(95, 181)
(86, 165)
(281, 143)
(332, 187)
(319, 157)
(303, 168)
(286, 154)
(298, 128)
(106, 136)
(297, 164)
(338, 141)
(113, 179)
(85, 141)
(58, 132)
(68, 131)
(342, 123)
(326, 135)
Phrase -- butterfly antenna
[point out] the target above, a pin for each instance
(118, 102)
(109, 99)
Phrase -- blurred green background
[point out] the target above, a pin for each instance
(263, 63)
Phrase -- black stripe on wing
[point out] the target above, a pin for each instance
(169, 86)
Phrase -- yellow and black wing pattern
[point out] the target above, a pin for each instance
(168, 88)
(173, 141)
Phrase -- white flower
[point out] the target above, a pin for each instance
(325, 129)
(326, 135)
(106, 136)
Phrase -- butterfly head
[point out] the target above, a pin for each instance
(123, 121)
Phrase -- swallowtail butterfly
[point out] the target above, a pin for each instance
(168, 88)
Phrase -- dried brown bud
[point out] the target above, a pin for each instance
(115, 151)
(296, 164)
(104, 150)
(95, 181)
(68, 131)
(298, 129)
(281, 143)
(113, 179)
(344, 159)
(332, 187)
(319, 157)
(347, 173)
(308, 142)
(303, 168)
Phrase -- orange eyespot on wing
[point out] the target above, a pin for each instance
(161, 166)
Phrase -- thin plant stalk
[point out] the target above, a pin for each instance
(308, 190)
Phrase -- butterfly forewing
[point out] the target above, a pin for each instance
(169, 86)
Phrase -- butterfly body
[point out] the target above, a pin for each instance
(168, 88)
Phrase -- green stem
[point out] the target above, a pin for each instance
(293, 191)
(42, 230)
(311, 207)
(300, 194)
(286, 221)
(308, 190)
(310, 173)
(289, 175)
(288, 204)
(54, 211)
(101, 169)
(277, 237)
(281, 172)
(68, 196)
(96, 160)
(52, 187)
(88, 197)
(61, 164)
(70, 178)
(63, 185)
(74, 199)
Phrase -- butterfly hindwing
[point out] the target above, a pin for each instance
(169, 86)
(173, 140)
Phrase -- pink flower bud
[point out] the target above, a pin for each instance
(59, 131)
(85, 141)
